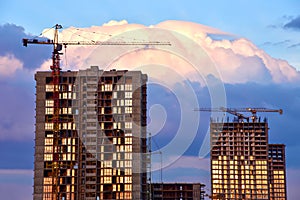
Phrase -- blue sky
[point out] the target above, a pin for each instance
(273, 26)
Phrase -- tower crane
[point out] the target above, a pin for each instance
(238, 112)
(55, 72)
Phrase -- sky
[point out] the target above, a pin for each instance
(252, 48)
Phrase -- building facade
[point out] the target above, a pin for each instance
(277, 171)
(177, 191)
(93, 144)
(241, 162)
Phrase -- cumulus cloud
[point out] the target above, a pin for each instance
(236, 59)
(115, 23)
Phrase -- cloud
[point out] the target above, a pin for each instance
(17, 106)
(236, 59)
(115, 23)
(9, 64)
(11, 37)
(293, 23)
(294, 45)
(280, 43)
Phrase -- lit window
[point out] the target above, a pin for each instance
(70, 88)
(128, 87)
(64, 111)
(128, 179)
(120, 87)
(47, 157)
(64, 126)
(49, 88)
(128, 95)
(49, 111)
(128, 164)
(48, 141)
(128, 172)
(128, 125)
(128, 156)
(48, 126)
(107, 179)
(48, 149)
(69, 95)
(128, 148)
(115, 95)
(108, 87)
(128, 102)
(63, 95)
(49, 103)
(128, 109)
(128, 140)
(120, 102)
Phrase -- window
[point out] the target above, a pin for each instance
(128, 172)
(120, 102)
(107, 179)
(108, 87)
(49, 111)
(128, 125)
(117, 125)
(49, 88)
(115, 95)
(128, 109)
(128, 148)
(49, 103)
(128, 163)
(107, 172)
(47, 157)
(63, 95)
(128, 156)
(48, 149)
(120, 87)
(128, 87)
(128, 95)
(48, 141)
(128, 102)
(48, 126)
(128, 140)
(64, 111)
(128, 179)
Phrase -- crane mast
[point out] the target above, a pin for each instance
(55, 73)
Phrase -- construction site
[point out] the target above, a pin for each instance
(243, 163)
(91, 140)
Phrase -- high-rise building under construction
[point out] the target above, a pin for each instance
(243, 164)
(90, 143)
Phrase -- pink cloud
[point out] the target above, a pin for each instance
(9, 65)
(237, 60)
